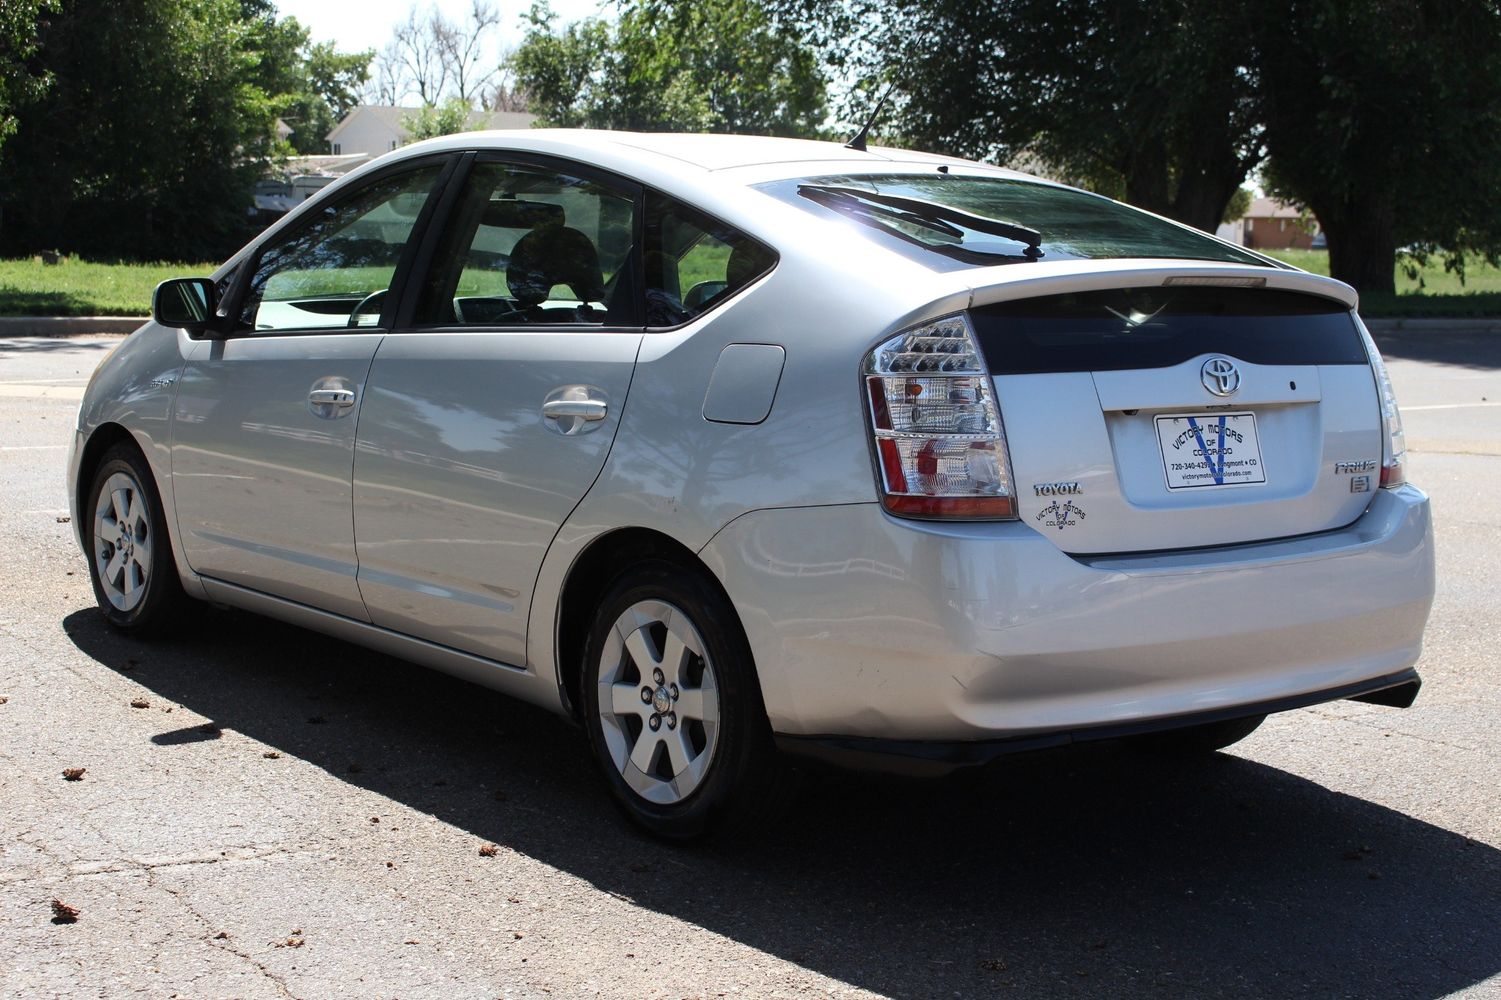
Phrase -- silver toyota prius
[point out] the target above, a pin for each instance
(740, 448)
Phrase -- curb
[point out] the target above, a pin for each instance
(1433, 324)
(67, 326)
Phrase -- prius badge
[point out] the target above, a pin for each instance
(1220, 376)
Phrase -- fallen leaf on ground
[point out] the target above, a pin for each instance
(292, 943)
(4, 700)
(271, 755)
(411, 941)
(375, 819)
(994, 965)
(518, 935)
(139, 703)
(488, 850)
(64, 519)
(74, 773)
(62, 913)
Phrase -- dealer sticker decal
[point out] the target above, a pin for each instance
(1060, 515)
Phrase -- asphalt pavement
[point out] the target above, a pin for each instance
(269, 813)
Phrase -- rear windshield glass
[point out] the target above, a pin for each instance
(1128, 328)
(950, 221)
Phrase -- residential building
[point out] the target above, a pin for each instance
(371, 130)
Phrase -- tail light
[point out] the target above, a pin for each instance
(938, 436)
(1393, 441)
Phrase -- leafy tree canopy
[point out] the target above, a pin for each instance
(18, 81)
(710, 66)
(156, 121)
(1382, 116)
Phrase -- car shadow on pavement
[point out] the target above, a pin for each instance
(1089, 872)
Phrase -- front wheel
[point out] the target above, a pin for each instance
(130, 556)
(672, 705)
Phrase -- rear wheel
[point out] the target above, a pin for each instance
(1202, 739)
(672, 706)
(130, 557)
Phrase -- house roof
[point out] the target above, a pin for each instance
(1271, 208)
(395, 119)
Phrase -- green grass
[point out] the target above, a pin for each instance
(78, 288)
(1434, 292)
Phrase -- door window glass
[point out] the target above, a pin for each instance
(694, 262)
(334, 270)
(529, 245)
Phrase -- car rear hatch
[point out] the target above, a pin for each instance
(1151, 409)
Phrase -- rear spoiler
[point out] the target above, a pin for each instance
(1025, 281)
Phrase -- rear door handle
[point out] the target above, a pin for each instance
(331, 397)
(584, 409)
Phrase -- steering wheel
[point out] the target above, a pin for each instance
(373, 299)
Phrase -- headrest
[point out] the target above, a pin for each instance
(552, 256)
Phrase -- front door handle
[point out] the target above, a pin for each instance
(584, 409)
(331, 397)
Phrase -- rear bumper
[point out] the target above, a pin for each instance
(869, 627)
(920, 757)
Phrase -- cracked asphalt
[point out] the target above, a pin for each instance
(291, 816)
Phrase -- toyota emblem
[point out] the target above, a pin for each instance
(1220, 376)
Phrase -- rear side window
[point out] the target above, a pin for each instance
(1159, 327)
(949, 221)
(694, 262)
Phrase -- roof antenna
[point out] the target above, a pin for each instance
(858, 142)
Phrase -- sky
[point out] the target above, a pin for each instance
(368, 24)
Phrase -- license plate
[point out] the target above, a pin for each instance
(1207, 450)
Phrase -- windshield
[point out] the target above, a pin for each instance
(955, 220)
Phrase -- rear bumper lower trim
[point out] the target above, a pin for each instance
(938, 757)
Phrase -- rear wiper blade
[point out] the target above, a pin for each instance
(862, 201)
(940, 218)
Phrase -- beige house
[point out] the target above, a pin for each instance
(370, 130)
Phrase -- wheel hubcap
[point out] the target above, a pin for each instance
(122, 541)
(658, 702)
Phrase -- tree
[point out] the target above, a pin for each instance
(1153, 101)
(434, 59)
(18, 39)
(1384, 118)
(139, 150)
(329, 86)
(714, 66)
(447, 118)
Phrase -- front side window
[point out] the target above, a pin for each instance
(529, 245)
(694, 262)
(334, 269)
(953, 220)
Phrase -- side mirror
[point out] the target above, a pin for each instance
(184, 302)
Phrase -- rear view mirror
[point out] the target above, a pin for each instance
(184, 302)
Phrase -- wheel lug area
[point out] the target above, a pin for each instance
(658, 676)
(672, 689)
(646, 696)
(672, 720)
(655, 722)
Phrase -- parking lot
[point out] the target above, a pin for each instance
(266, 812)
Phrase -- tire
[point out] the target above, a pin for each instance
(125, 539)
(709, 766)
(1203, 739)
